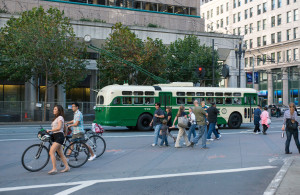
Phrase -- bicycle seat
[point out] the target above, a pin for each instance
(88, 129)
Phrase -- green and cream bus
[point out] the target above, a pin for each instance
(133, 106)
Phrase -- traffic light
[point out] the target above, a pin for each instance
(200, 72)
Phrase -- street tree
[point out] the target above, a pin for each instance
(185, 56)
(41, 43)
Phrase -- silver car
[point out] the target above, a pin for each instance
(298, 110)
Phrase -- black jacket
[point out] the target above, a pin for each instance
(212, 114)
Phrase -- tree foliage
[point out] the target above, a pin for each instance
(41, 43)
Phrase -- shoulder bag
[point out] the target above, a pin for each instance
(290, 125)
(183, 122)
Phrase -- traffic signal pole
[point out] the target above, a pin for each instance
(213, 63)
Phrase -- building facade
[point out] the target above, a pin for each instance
(271, 35)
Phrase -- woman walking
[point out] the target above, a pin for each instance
(264, 120)
(181, 131)
(58, 135)
(192, 119)
(169, 123)
(290, 125)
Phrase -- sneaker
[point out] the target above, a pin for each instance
(92, 158)
(153, 145)
(219, 137)
(184, 143)
(192, 144)
(210, 139)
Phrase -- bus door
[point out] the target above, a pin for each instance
(165, 99)
(250, 102)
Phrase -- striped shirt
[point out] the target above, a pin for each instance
(287, 115)
(78, 117)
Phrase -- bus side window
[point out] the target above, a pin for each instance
(127, 100)
(117, 101)
(190, 100)
(219, 100)
(228, 101)
(138, 100)
(209, 100)
(237, 101)
(181, 101)
(149, 100)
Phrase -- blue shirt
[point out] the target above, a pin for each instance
(257, 113)
(78, 117)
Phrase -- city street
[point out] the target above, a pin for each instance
(239, 163)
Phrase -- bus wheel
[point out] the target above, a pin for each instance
(235, 121)
(143, 122)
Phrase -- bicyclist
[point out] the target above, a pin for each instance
(78, 132)
(58, 136)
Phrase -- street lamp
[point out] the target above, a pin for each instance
(239, 51)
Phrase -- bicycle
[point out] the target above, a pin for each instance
(95, 141)
(36, 156)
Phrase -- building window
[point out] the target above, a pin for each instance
(211, 26)
(239, 3)
(278, 37)
(273, 57)
(258, 41)
(246, 62)
(295, 33)
(218, 24)
(233, 18)
(258, 9)
(258, 60)
(227, 20)
(218, 10)
(246, 1)
(207, 14)
(211, 13)
(258, 25)
(222, 23)
(251, 61)
(246, 14)
(239, 30)
(296, 54)
(288, 17)
(264, 24)
(287, 2)
(227, 7)
(251, 12)
(296, 15)
(264, 40)
(272, 4)
(288, 55)
(264, 58)
(221, 9)
(272, 38)
(251, 43)
(264, 7)
(278, 56)
(279, 20)
(279, 4)
(246, 44)
(239, 16)
(234, 31)
(273, 21)
(234, 3)
(250, 28)
(246, 29)
(288, 34)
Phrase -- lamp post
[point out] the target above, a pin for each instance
(239, 51)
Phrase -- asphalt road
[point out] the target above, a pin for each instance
(240, 163)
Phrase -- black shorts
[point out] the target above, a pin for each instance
(59, 138)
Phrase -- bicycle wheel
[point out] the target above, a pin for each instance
(98, 145)
(77, 153)
(35, 157)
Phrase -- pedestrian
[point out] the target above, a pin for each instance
(212, 119)
(200, 118)
(156, 121)
(181, 131)
(169, 123)
(193, 122)
(264, 120)
(256, 119)
(58, 139)
(78, 129)
(164, 133)
(290, 126)
(277, 112)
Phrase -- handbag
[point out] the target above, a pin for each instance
(97, 128)
(183, 122)
(291, 125)
(269, 121)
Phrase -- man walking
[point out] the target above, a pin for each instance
(156, 121)
(212, 119)
(200, 118)
(256, 119)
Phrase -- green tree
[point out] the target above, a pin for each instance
(42, 43)
(185, 56)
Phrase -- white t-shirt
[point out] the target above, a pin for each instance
(54, 124)
(193, 118)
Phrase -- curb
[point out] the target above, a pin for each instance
(275, 183)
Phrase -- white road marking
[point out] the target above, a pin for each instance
(273, 186)
(76, 188)
(91, 182)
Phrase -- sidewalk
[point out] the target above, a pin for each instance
(290, 184)
(35, 123)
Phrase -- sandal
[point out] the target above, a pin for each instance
(52, 172)
(65, 170)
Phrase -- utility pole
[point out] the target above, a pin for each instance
(239, 51)
(253, 73)
(213, 62)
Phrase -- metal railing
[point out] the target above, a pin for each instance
(21, 111)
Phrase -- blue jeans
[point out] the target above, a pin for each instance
(192, 131)
(202, 133)
(164, 139)
(212, 129)
(156, 133)
(289, 135)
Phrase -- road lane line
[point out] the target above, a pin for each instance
(138, 178)
(76, 188)
(273, 186)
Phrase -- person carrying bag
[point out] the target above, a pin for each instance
(290, 126)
